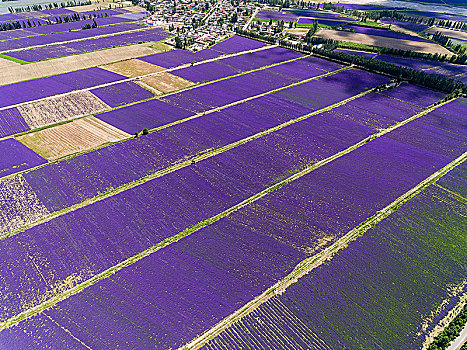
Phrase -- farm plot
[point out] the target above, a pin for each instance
(403, 44)
(73, 63)
(327, 22)
(62, 108)
(377, 292)
(235, 65)
(77, 47)
(177, 57)
(414, 94)
(384, 33)
(364, 54)
(132, 68)
(57, 84)
(165, 82)
(15, 157)
(220, 178)
(11, 122)
(454, 34)
(73, 137)
(276, 16)
(344, 189)
(53, 37)
(415, 27)
(121, 94)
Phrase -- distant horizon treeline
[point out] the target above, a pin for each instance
(432, 81)
(39, 7)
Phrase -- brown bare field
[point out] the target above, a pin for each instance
(19, 72)
(450, 33)
(132, 68)
(62, 108)
(383, 42)
(76, 136)
(166, 82)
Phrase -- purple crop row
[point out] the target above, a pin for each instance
(44, 87)
(201, 190)
(234, 65)
(122, 94)
(66, 36)
(456, 180)
(209, 274)
(175, 58)
(416, 27)
(15, 157)
(59, 50)
(376, 293)
(384, 33)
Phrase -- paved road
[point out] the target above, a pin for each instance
(459, 341)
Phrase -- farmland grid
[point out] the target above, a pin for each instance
(14, 320)
(194, 163)
(182, 164)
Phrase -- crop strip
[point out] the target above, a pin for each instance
(307, 265)
(302, 268)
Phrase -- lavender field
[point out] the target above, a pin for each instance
(265, 199)
(77, 47)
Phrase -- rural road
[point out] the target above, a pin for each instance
(459, 341)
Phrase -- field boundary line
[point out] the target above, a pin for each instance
(300, 269)
(307, 265)
(451, 192)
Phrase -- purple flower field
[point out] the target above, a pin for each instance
(277, 16)
(237, 44)
(326, 204)
(15, 157)
(149, 114)
(122, 93)
(385, 33)
(327, 22)
(225, 179)
(415, 27)
(44, 87)
(65, 35)
(319, 15)
(414, 94)
(54, 51)
(376, 293)
(456, 180)
(234, 65)
(12, 122)
(178, 57)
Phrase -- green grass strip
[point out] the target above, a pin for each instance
(17, 60)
